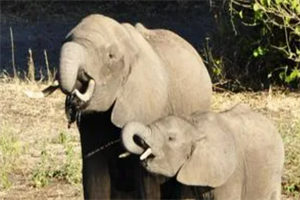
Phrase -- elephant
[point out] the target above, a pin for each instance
(237, 152)
(113, 73)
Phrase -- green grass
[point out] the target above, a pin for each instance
(43, 172)
(291, 137)
(69, 171)
(10, 150)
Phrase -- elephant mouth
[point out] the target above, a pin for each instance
(82, 93)
(84, 88)
(79, 99)
(148, 153)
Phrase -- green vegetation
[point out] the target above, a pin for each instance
(291, 137)
(43, 172)
(69, 171)
(10, 150)
(257, 44)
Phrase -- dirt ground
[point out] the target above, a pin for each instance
(40, 156)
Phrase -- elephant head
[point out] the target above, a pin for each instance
(99, 65)
(197, 154)
(93, 63)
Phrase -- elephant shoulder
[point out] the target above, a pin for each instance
(249, 116)
(254, 129)
(239, 113)
(243, 115)
(183, 64)
(128, 26)
(141, 28)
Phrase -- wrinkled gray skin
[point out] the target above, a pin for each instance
(139, 75)
(238, 152)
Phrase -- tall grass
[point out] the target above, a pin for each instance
(30, 74)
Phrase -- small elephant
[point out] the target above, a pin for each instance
(237, 152)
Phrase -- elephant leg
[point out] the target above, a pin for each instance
(122, 173)
(95, 177)
(148, 185)
(96, 130)
(171, 189)
(202, 192)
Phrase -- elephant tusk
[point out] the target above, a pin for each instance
(146, 154)
(89, 92)
(44, 93)
(124, 155)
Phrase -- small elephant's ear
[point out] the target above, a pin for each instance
(212, 162)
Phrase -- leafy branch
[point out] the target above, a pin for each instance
(279, 21)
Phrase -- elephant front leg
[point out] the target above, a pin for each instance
(95, 131)
(96, 179)
(148, 185)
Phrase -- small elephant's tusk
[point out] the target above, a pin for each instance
(124, 155)
(89, 92)
(44, 93)
(146, 154)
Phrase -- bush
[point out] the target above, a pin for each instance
(257, 43)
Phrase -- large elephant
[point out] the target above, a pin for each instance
(114, 73)
(238, 152)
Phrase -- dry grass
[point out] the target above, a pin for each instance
(40, 157)
(43, 166)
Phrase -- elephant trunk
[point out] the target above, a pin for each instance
(131, 130)
(72, 57)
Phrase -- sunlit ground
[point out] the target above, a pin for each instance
(40, 156)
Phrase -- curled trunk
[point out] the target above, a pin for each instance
(131, 130)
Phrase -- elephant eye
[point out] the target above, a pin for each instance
(110, 55)
(170, 138)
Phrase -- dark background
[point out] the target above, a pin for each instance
(43, 25)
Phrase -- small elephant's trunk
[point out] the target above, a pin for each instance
(134, 129)
(72, 57)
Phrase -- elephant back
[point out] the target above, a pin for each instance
(190, 87)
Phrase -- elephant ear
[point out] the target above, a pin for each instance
(213, 159)
(143, 97)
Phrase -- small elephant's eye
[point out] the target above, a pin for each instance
(110, 55)
(171, 138)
